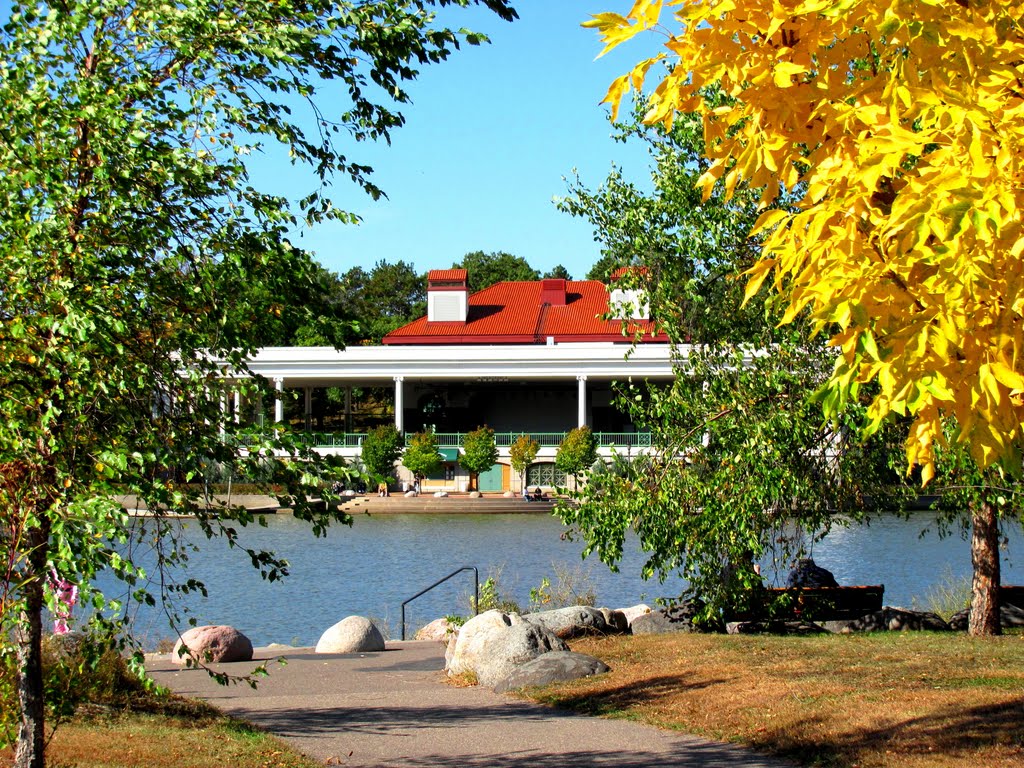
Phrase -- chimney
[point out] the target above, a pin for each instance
(552, 291)
(447, 295)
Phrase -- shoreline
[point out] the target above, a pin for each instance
(425, 504)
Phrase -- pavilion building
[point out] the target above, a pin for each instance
(525, 357)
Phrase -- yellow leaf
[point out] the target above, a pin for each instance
(646, 12)
(769, 220)
(1007, 376)
(757, 275)
(783, 73)
(618, 88)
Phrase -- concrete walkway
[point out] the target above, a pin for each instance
(394, 708)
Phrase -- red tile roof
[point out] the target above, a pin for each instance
(512, 313)
(447, 275)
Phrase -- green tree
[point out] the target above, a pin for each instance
(692, 250)
(904, 240)
(381, 448)
(577, 452)
(422, 456)
(739, 447)
(386, 298)
(609, 262)
(128, 218)
(479, 453)
(521, 455)
(558, 271)
(486, 269)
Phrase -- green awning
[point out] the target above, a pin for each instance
(449, 454)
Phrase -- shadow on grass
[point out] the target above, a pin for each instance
(951, 731)
(619, 699)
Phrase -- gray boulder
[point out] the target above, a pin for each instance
(896, 620)
(1009, 616)
(354, 634)
(634, 612)
(554, 667)
(681, 617)
(492, 645)
(774, 627)
(212, 644)
(579, 620)
(438, 629)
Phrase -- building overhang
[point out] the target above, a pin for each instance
(377, 365)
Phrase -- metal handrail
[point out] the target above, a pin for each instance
(439, 582)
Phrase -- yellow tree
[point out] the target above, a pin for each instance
(899, 126)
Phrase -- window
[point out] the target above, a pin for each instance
(545, 474)
(447, 473)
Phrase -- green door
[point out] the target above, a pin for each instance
(491, 479)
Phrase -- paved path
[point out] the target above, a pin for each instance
(394, 709)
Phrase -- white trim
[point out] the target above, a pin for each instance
(326, 366)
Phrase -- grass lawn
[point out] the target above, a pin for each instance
(880, 699)
(174, 733)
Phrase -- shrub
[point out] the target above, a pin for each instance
(577, 452)
(78, 669)
(381, 448)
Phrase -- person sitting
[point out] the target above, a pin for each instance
(537, 495)
(382, 488)
(807, 573)
(526, 494)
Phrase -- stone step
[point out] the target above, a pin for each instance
(449, 505)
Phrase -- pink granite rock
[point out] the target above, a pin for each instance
(212, 644)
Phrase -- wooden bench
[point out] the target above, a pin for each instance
(1011, 595)
(811, 603)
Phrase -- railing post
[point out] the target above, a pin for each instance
(439, 582)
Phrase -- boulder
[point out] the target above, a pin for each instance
(634, 612)
(508, 494)
(579, 620)
(474, 494)
(553, 667)
(896, 620)
(1009, 616)
(438, 629)
(774, 627)
(354, 634)
(212, 644)
(492, 645)
(440, 494)
(681, 617)
(410, 494)
(616, 620)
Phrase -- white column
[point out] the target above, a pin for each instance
(581, 412)
(400, 403)
(278, 401)
(223, 410)
(238, 406)
(348, 409)
(309, 409)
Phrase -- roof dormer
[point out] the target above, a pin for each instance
(447, 295)
(625, 301)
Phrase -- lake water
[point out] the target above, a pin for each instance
(370, 568)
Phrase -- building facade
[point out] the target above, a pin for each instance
(538, 358)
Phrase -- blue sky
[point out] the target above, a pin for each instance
(488, 140)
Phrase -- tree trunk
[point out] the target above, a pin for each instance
(985, 561)
(29, 638)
